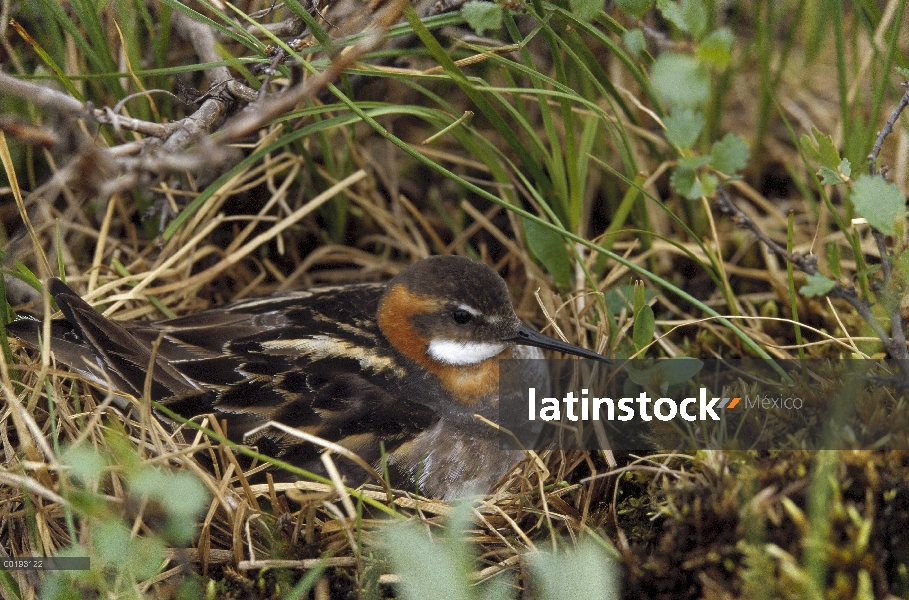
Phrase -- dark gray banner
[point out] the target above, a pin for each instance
(45, 563)
(690, 404)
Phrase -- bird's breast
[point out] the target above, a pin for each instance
(469, 384)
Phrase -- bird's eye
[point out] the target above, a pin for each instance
(461, 316)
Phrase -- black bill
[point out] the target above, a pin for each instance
(528, 337)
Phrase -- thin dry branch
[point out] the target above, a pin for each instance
(895, 346)
(166, 149)
(897, 324)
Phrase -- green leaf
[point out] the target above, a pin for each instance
(430, 569)
(679, 370)
(85, 463)
(149, 481)
(680, 79)
(639, 298)
(845, 168)
(903, 71)
(880, 202)
(23, 273)
(635, 8)
(586, 10)
(665, 373)
(549, 248)
(709, 184)
(186, 494)
(729, 155)
(673, 13)
(115, 546)
(810, 146)
(145, 557)
(643, 328)
(635, 42)
(818, 285)
(619, 298)
(695, 15)
(716, 49)
(833, 259)
(181, 495)
(683, 127)
(685, 182)
(829, 155)
(482, 15)
(867, 271)
(582, 573)
(829, 176)
(825, 151)
(695, 162)
(684, 179)
(835, 176)
(191, 588)
(425, 568)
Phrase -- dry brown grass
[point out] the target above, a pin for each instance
(681, 524)
(250, 527)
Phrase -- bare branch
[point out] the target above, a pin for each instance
(895, 346)
(805, 263)
(38, 95)
(204, 43)
(180, 146)
(271, 108)
(887, 130)
(59, 102)
(290, 27)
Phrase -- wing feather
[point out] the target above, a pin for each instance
(310, 360)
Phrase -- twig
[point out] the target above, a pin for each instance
(887, 130)
(203, 42)
(897, 324)
(290, 27)
(59, 102)
(271, 108)
(805, 263)
(895, 346)
(274, 107)
(163, 152)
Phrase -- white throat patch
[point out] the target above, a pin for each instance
(452, 352)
